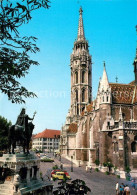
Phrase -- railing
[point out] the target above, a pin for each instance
(126, 125)
(130, 125)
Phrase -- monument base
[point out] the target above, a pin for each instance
(19, 174)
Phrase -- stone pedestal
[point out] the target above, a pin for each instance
(20, 179)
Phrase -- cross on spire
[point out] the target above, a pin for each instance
(116, 79)
(81, 34)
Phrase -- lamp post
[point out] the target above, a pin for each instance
(54, 143)
(71, 164)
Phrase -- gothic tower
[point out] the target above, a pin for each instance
(135, 64)
(81, 71)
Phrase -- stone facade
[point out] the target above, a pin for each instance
(105, 131)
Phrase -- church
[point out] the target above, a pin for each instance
(103, 130)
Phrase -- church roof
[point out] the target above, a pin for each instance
(48, 133)
(123, 93)
(73, 128)
(89, 108)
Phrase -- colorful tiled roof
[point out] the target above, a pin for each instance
(73, 128)
(123, 93)
(132, 83)
(48, 133)
(89, 108)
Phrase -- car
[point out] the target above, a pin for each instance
(60, 175)
(54, 171)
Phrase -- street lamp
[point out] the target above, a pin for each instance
(54, 143)
(71, 164)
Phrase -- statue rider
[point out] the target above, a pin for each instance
(23, 119)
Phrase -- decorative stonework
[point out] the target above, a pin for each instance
(20, 175)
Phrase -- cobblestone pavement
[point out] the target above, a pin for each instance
(99, 183)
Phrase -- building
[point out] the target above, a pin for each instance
(48, 140)
(103, 130)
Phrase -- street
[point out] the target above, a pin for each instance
(99, 183)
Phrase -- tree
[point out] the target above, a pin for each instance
(14, 51)
(4, 126)
(75, 187)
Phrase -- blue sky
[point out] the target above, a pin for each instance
(110, 29)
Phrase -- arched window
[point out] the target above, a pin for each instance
(83, 76)
(83, 95)
(76, 77)
(103, 98)
(115, 147)
(77, 110)
(134, 147)
(107, 98)
(83, 109)
(76, 95)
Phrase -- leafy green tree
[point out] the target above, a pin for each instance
(75, 187)
(14, 51)
(4, 126)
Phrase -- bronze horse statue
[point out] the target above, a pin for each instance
(18, 134)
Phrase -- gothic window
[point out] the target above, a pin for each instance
(83, 109)
(115, 147)
(89, 96)
(76, 92)
(83, 95)
(83, 76)
(77, 110)
(76, 77)
(103, 98)
(134, 146)
(107, 98)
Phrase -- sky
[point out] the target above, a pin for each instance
(109, 27)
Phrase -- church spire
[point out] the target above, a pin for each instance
(104, 81)
(81, 35)
(135, 64)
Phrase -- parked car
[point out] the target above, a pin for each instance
(60, 175)
(54, 171)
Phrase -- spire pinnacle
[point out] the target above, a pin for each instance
(104, 80)
(80, 26)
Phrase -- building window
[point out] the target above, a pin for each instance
(107, 98)
(76, 92)
(115, 147)
(77, 110)
(83, 95)
(76, 77)
(44, 139)
(133, 147)
(103, 98)
(83, 76)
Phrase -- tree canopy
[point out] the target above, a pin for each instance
(76, 186)
(15, 49)
(4, 126)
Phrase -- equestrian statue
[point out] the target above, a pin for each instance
(21, 133)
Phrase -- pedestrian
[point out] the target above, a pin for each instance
(121, 190)
(86, 168)
(61, 166)
(123, 186)
(117, 188)
(133, 183)
(90, 169)
(127, 190)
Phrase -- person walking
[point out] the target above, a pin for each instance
(133, 183)
(127, 190)
(117, 188)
